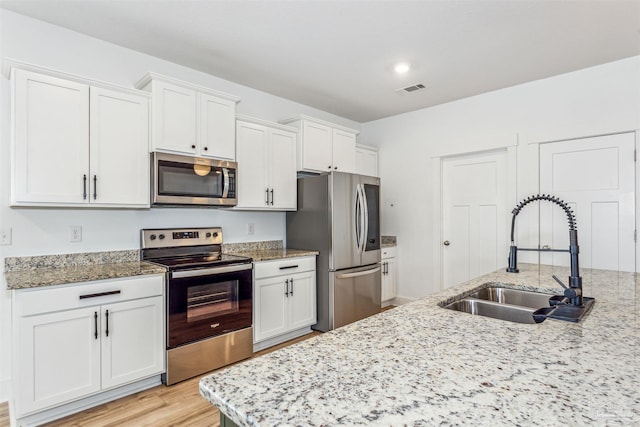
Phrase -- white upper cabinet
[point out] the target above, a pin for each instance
(366, 160)
(266, 156)
(323, 146)
(191, 119)
(75, 144)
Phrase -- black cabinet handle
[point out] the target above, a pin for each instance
(106, 315)
(95, 187)
(84, 187)
(99, 294)
(286, 287)
(291, 281)
(95, 324)
(267, 191)
(272, 197)
(288, 266)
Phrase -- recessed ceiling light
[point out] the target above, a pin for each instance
(401, 68)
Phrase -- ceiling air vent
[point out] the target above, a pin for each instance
(411, 89)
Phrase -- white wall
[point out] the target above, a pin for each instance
(46, 231)
(598, 100)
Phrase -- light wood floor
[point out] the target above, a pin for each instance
(177, 405)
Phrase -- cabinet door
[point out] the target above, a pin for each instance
(366, 162)
(119, 155)
(316, 147)
(270, 317)
(134, 346)
(174, 118)
(388, 279)
(344, 151)
(51, 140)
(282, 170)
(302, 300)
(217, 127)
(58, 358)
(252, 165)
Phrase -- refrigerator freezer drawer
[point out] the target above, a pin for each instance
(357, 294)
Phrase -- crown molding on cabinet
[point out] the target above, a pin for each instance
(9, 64)
(263, 122)
(144, 81)
(322, 122)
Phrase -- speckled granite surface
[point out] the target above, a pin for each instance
(267, 255)
(386, 241)
(241, 248)
(265, 251)
(420, 364)
(49, 270)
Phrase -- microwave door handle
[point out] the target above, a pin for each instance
(225, 189)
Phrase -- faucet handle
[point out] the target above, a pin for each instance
(568, 292)
(560, 282)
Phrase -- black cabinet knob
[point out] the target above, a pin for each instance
(193, 146)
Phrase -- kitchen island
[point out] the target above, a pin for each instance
(422, 364)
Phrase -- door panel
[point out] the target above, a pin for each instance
(357, 294)
(252, 164)
(474, 240)
(595, 176)
(343, 195)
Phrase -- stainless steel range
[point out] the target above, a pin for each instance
(208, 300)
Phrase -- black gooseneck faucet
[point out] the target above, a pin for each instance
(572, 293)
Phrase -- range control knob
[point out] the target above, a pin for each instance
(215, 234)
(161, 236)
(208, 234)
(152, 237)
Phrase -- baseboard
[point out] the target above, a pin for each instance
(399, 300)
(280, 339)
(62, 411)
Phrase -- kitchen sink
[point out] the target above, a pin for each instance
(497, 310)
(513, 297)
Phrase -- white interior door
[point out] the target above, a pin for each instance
(474, 216)
(596, 177)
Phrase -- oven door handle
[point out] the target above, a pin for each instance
(210, 271)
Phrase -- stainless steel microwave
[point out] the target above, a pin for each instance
(187, 180)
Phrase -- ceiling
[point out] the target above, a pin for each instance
(338, 56)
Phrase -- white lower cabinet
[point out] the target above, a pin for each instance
(284, 300)
(77, 340)
(389, 281)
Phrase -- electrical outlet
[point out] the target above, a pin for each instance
(75, 233)
(5, 236)
(251, 229)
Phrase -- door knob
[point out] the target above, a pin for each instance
(446, 243)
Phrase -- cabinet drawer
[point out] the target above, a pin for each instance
(389, 252)
(284, 266)
(66, 297)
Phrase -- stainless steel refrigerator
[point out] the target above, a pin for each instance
(339, 215)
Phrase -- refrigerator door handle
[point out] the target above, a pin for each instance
(357, 274)
(358, 214)
(363, 216)
(365, 234)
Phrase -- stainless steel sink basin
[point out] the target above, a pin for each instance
(513, 296)
(511, 313)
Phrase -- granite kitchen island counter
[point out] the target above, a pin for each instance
(421, 364)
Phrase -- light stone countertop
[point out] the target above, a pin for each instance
(421, 364)
(274, 254)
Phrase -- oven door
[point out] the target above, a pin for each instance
(185, 180)
(203, 303)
